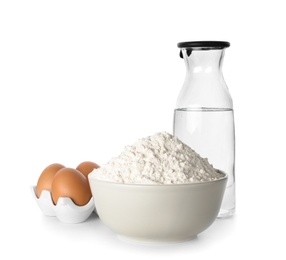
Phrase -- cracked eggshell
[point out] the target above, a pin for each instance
(65, 210)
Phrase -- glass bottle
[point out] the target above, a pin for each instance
(203, 117)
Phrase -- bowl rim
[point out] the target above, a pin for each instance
(93, 179)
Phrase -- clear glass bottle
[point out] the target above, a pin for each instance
(203, 117)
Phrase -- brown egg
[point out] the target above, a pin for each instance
(87, 167)
(69, 182)
(46, 178)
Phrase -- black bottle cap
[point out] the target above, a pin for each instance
(204, 45)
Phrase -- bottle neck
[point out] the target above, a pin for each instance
(204, 61)
(204, 85)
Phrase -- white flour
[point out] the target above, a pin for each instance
(157, 159)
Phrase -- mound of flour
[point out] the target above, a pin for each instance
(158, 159)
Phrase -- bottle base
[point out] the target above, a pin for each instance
(226, 213)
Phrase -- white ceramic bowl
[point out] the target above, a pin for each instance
(157, 213)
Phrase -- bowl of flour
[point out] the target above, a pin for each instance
(158, 190)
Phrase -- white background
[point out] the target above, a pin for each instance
(79, 80)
